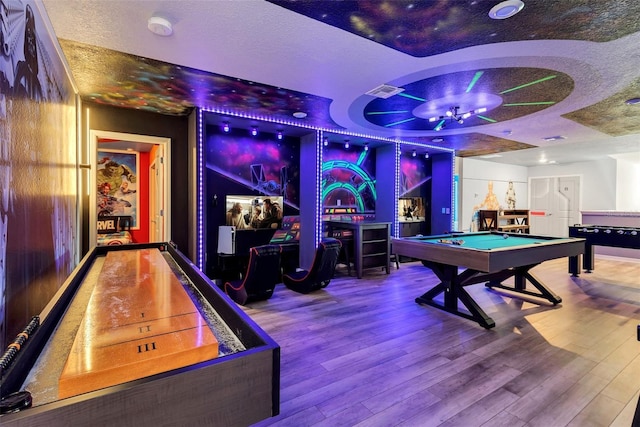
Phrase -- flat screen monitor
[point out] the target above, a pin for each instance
(254, 212)
(411, 209)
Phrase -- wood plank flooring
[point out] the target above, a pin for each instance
(362, 353)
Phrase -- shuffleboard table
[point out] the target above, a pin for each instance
(490, 257)
(139, 336)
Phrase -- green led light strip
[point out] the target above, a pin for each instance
(528, 84)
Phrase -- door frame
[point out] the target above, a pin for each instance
(156, 198)
(94, 136)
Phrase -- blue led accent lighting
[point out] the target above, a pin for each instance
(396, 190)
(526, 104)
(453, 193)
(363, 156)
(399, 122)
(318, 189)
(486, 118)
(456, 189)
(406, 95)
(378, 113)
(544, 79)
(199, 196)
(474, 80)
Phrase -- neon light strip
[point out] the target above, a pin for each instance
(378, 113)
(528, 84)
(361, 158)
(519, 104)
(474, 81)
(486, 118)
(454, 193)
(396, 225)
(318, 190)
(406, 95)
(199, 196)
(400, 122)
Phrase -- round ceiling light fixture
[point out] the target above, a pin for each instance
(160, 26)
(506, 9)
(299, 114)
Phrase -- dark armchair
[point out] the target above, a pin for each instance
(263, 273)
(321, 271)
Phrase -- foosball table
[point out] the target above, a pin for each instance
(600, 235)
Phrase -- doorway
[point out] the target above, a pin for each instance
(554, 205)
(148, 205)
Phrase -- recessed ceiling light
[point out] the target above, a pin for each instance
(160, 26)
(436, 140)
(506, 9)
(299, 114)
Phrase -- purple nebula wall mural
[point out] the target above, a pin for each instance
(261, 164)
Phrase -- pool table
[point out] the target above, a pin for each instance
(489, 257)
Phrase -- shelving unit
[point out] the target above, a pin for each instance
(513, 220)
(371, 243)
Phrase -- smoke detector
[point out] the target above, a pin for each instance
(160, 26)
(506, 9)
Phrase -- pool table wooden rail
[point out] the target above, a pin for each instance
(489, 261)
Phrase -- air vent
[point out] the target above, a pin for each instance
(554, 138)
(385, 91)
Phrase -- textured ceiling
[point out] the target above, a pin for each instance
(557, 68)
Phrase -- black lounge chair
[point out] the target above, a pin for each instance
(263, 273)
(321, 271)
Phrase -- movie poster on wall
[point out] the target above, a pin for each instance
(117, 184)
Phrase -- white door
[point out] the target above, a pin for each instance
(156, 197)
(554, 205)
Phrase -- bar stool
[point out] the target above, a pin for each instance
(346, 244)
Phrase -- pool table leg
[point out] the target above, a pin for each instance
(574, 265)
(520, 277)
(452, 286)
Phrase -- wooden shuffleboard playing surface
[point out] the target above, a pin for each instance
(139, 321)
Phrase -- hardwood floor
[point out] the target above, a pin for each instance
(362, 353)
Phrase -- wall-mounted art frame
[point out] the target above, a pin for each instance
(117, 184)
